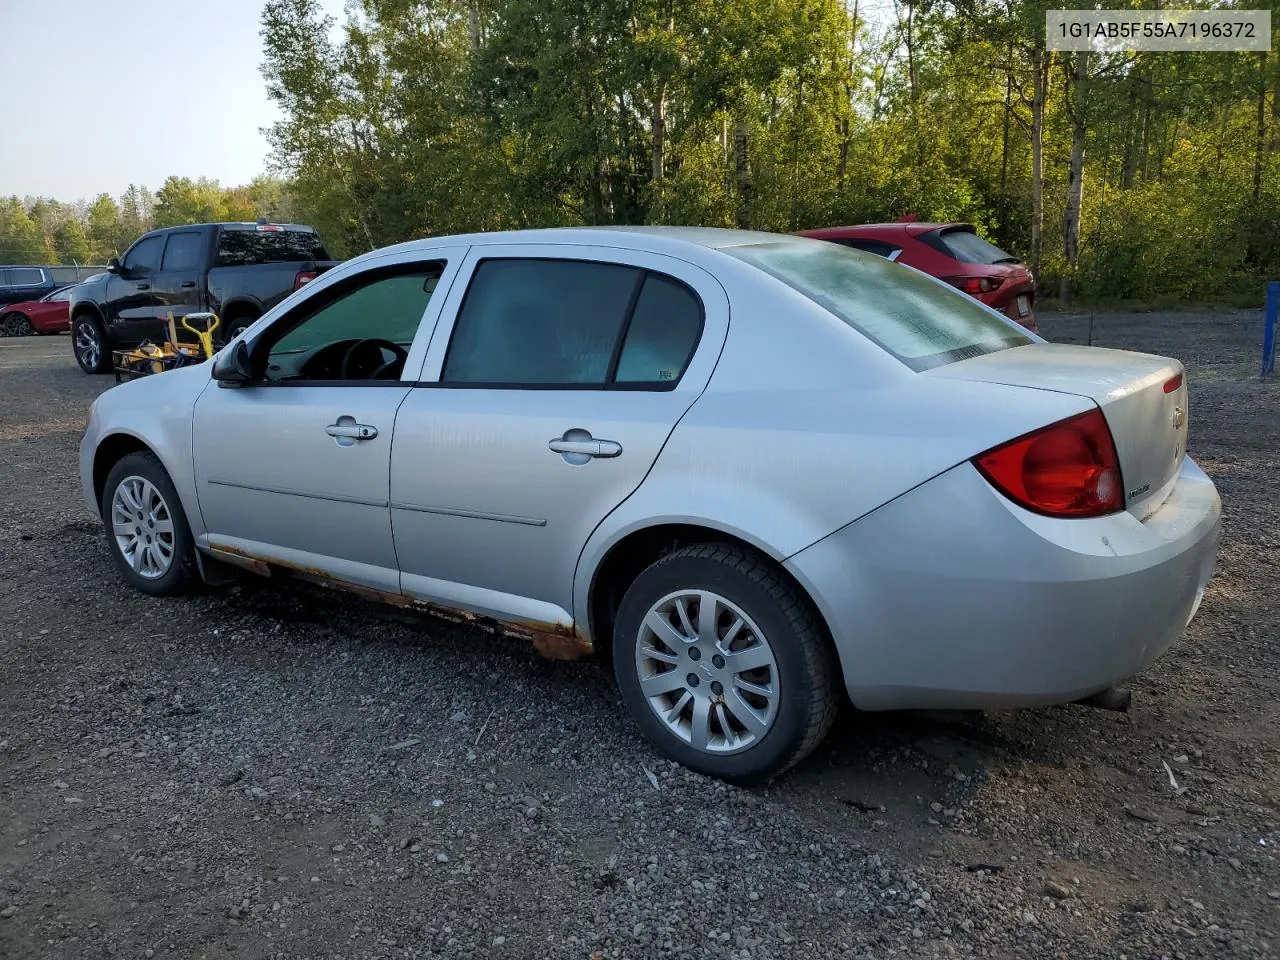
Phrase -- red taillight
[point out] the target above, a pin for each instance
(304, 278)
(1173, 383)
(1067, 469)
(975, 285)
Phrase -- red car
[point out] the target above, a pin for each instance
(46, 315)
(952, 252)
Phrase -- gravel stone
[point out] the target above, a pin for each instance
(246, 747)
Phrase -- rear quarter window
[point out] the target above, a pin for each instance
(919, 320)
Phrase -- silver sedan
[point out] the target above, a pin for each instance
(757, 472)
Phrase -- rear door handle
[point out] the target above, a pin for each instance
(144, 286)
(186, 284)
(586, 448)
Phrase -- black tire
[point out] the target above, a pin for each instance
(807, 673)
(84, 329)
(235, 326)
(18, 325)
(182, 573)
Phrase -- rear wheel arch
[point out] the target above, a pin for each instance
(629, 556)
(238, 313)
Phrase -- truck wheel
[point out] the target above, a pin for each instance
(89, 344)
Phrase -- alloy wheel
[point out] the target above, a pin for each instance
(88, 345)
(707, 672)
(143, 527)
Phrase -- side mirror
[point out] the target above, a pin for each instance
(233, 368)
(113, 265)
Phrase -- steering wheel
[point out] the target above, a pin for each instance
(356, 362)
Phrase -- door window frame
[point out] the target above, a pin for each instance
(130, 274)
(318, 296)
(570, 254)
(162, 268)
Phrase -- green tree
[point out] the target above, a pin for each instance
(70, 242)
(104, 228)
(21, 240)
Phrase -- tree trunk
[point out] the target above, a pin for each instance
(1002, 208)
(742, 175)
(913, 71)
(1129, 161)
(1039, 91)
(1260, 137)
(473, 24)
(658, 134)
(1077, 99)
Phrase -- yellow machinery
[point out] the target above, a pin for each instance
(175, 352)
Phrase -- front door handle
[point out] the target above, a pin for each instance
(346, 431)
(187, 284)
(585, 448)
(144, 286)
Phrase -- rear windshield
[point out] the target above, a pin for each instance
(967, 247)
(921, 321)
(238, 248)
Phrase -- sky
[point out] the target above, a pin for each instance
(99, 94)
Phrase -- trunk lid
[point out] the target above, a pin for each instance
(1147, 421)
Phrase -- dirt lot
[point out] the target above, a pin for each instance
(280, 772)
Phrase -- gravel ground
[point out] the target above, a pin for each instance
(274, 771)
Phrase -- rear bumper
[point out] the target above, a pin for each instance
(953, 597)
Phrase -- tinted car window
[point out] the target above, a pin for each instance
(877, 247)
(25, 276)
(540, 322)
(59, 296)
(237, 248)
(145, 255)
(386, 308)
(919, 320)
(662, 334)
(967, 247)
(183, 250)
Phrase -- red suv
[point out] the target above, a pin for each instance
(952, 252)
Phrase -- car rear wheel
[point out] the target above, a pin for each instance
(724, 664)
(146, 528)
(17, 325)
(90, 345)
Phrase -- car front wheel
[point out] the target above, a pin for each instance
(90, 345)
(724, 664)
(146, 527)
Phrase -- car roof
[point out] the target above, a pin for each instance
(655, 239)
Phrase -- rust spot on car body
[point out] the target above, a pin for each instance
(555, 641)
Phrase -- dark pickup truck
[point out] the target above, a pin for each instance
(236, 270)
(21, 283)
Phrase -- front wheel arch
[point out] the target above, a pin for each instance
(111, 450)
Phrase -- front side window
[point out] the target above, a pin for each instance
(59, 296)
(573, 324)
(918, 320)
(144, 257)
(360, 329)
(182, 252)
